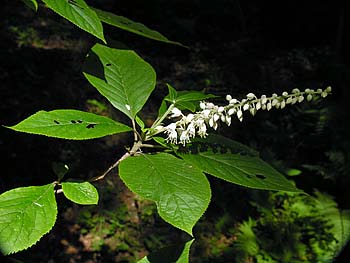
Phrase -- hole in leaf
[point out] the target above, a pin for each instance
(79, 121)
(91, 125)
(250, 176)
(57, 122)
(108, 64)
(73, 121)
(260, 176)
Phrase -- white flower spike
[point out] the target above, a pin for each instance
(183, 130)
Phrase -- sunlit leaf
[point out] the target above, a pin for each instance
(81, 193)
(79, 13)
(70, 124)
(181, 192)
(124, 78)
(26, 214)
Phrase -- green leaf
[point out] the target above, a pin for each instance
(32, 4)
(172, 93)
(140, 122)
(221, 143)
(293, 172)
(60, 169)
(124, 78)
(70, 124)
(181, 192)
(162, 109)
(80, 14)
(340, 221)
(80, 193)
(187, 100)
(193, 96)
(239, 169)
(172, 254)
(131, 26)
(26, 214)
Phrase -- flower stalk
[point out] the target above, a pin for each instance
(193, 124)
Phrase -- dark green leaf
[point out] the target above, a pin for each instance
(172, 93)
(124, 78)
(186, 100)
(340, 221)
(32, 4)
(79, 13)
(162, 109)
(239, 169)
(181, 192)
(81, 193)
(131, 26)
(191, 96)
(224, 145)
(60, 169)
(70, 124)
(172, 254)
(26, 214)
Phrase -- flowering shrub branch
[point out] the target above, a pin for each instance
(190, 125)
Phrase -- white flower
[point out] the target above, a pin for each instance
(228, 120)
(251, 96)
(191, 130)
(216, 117)
(210, 114)
(258, 105)
(184, 138)
(202, 128)
(206, 113)
(211, 122)
(240, 115)
(175, 112)
(283, 104)
(289, 100)
(221, 109)
(269, 106)
(274, 102)
(231, 111)
(189, 118)
(171, 131)
(252, 111)
(233, 101)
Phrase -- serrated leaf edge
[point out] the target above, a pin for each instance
(35, 242)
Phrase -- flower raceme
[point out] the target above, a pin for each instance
(190, 125)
